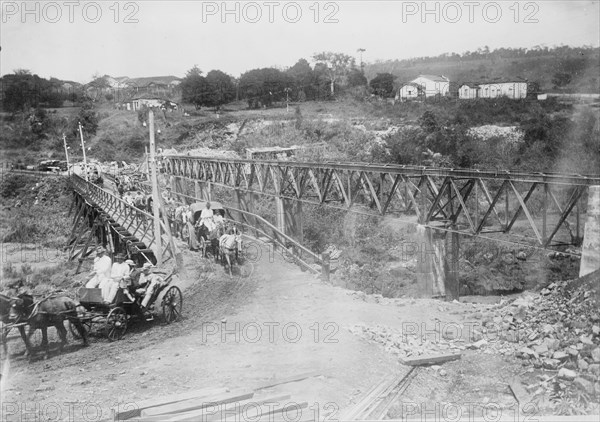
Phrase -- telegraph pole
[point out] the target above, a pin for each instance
(66, 153)
(85, 170)
(155, 195)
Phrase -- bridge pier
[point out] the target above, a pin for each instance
(430, 251)
(437, 263)
(590, 253)
(289, 218)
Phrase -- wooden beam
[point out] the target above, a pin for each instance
(243, 410)
(287, 380)
(430, 359)
(197, 403)
(131, 410)
(519, 392)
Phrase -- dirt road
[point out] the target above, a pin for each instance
(238, 333)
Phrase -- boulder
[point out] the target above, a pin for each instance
(567, 374)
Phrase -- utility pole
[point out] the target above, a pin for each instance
(155, 195)
(85, 171)
(66, 153)
(287, 99)
(360, 51)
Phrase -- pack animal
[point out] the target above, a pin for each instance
(51, 311)
(5, 306)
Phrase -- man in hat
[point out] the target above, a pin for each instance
(101, 270)
(118, 273)
(168, 196)
(207, 217)
(148, 282)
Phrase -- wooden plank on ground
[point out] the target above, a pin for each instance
(288, 412)
(197, 404)
(519, 392)
(366, 401)
(287, 380)
(131, 410)
(244, 410)
(430, 359)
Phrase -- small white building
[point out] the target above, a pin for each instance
(433, 85)
(468, 91)
(409, 91)
(514, 90)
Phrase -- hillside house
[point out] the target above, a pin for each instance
(433, 85)
(409, 91)
(510, 89)
(468, 91)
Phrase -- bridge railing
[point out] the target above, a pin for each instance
(253, 225)
(256, 226)
(137, 222)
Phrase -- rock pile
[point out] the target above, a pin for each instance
(558, 329)
(407, 344)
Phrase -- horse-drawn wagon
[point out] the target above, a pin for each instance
(114, 318)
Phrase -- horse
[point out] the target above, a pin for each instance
(5, 306)
(52, 310)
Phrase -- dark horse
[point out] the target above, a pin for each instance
(209, 241)
(49, 311)
(5, 306)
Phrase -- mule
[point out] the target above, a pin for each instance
(5, 306)
(51, 311)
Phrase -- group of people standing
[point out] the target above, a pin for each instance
(123, 274)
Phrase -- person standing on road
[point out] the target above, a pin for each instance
(207, 217)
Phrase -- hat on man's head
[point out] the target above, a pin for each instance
(100, 249)
(147, 266)
(120, 256)
(130, 262)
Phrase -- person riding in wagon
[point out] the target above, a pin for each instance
(147, 284)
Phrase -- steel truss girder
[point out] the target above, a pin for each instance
(133, 226)
(472, 202)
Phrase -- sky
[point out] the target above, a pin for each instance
(75, 40)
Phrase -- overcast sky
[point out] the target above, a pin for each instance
(75, 40)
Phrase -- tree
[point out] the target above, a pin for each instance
(338, 65)
(221, 87)
(303, 80)
(383, 84)
(356, 78)
(264, 86)
(195, 89)
(561, 79)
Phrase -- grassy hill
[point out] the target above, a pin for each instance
(541, 66)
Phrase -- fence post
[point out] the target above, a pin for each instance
(325, 267)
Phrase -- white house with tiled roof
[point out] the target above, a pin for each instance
(433, 85)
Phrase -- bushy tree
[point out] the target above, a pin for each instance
(222, 89)
(89, 120)
(195, 89)
(356, 78)
(383, 84)
(264, 86)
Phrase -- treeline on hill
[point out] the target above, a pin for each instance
(23, 90)
(332, 74)
(561, 69)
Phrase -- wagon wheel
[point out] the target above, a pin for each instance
(116, 324)
(172, 304)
